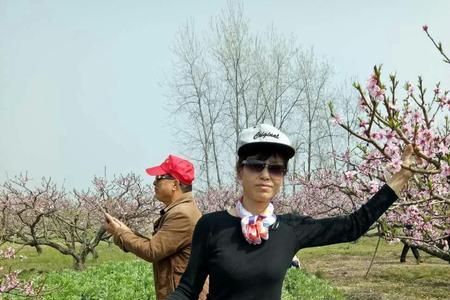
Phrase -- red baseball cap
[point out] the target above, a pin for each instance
(176, 167)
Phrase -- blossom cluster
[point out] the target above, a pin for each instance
(216, 199)
(385, 127)
(9, 280)
(376, 90)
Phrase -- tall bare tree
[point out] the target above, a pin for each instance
(196, 96)
(230, 79)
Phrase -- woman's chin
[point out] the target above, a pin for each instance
(263, 197)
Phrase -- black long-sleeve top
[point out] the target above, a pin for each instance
(241, 271)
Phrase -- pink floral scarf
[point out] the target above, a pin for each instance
(255, 227)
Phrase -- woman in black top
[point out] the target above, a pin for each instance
(247, 249)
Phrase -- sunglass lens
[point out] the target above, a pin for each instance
(277, 170)
(259, 165)
(159, 177)
(255, 165)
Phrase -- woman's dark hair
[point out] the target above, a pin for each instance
(261, 153)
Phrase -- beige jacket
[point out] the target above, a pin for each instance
(170, 246)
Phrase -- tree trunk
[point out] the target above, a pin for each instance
(79, 263)
(94, 254)
(38, 249)
(430, 250)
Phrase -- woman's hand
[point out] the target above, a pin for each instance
(406, 156)
(399, 179)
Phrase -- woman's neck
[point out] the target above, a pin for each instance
(254, 207)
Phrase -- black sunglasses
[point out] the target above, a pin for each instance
(166, 176)
(258, 166)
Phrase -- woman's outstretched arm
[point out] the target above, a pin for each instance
(318, 232)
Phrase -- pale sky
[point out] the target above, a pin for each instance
(82, 82)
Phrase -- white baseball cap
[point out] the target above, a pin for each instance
(264, 135)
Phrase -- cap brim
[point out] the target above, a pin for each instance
(252, 148)
(154, 171)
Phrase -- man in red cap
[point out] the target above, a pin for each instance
(170, 246)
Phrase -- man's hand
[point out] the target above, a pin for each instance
(113, 225)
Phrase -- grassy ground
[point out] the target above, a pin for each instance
(52, 260)
(345, 265)
(121, 276)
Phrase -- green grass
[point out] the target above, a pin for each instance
(118, 275)
(52, 260)
(345, 266)
(342, 266)
(134, 280)
(111, 280)
(299, 284)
